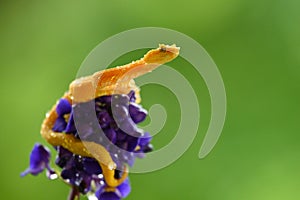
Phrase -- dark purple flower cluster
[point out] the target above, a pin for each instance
(107, 120)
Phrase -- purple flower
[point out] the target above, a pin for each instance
(63, 156)
(131, 96)
(110, 121)
(78, 178)
(63, 107)
(122, 191)
(144, 146)
(60, 124)
(137, 113)
(144, 143)
(76, 170)
(39, 160)
(70, 128)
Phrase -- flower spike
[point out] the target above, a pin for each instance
(87, 162)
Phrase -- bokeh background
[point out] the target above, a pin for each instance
(255, 44)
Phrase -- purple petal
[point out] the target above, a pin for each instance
(63, 156)
(102, 195)
(132, 142)
(104, 119)
(122, 191)
(111, 135)
(69, 175)
(104, 99)
(145, 140)
(85, 184)
(124, 188)
(91, 166)
(109, 196)
(39, 160)
(63, 107)
(70, 128)
(60, 124)
(121, 135)
(75, 175)
(131, 96)
(137, 113)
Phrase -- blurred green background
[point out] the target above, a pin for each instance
(255, 44)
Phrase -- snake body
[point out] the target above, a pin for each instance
(118, 80)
